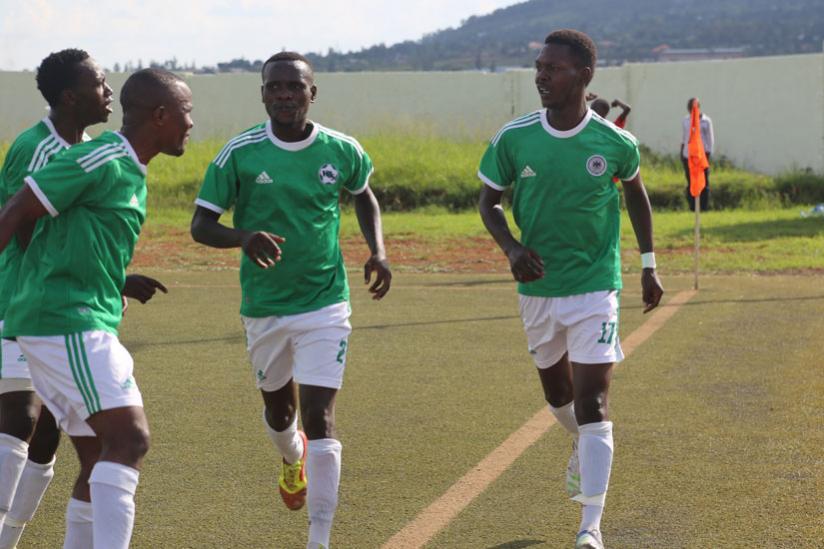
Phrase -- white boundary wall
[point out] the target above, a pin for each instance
(768, 112)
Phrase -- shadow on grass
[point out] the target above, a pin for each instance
(471, 283)
(241, 339)
(699, 301)
(518, 544)
(435, 322)
(764, 230)
(135, 346)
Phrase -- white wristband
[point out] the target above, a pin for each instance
(648, 260)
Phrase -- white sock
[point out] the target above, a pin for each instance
(13, 456)
(323, 475)
(595, 456)
(288, 442)
(113, 487)
(79, 525)
(33, 483)
(591, 518)
(566, 417)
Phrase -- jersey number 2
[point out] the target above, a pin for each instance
(342, 352)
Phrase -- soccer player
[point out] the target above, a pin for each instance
(66, 310)
(560, 161)
(283, 178)
(75, 88)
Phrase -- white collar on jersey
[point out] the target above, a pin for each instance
(565, 134)
(292, 145)
(131, 152)
(47, 121)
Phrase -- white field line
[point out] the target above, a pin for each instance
(440, 513)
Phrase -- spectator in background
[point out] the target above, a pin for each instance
(602, 106)
(708, 138)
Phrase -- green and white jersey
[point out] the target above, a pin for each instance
(76, 261)
(564, 202)
(28, 153)
(291, 189)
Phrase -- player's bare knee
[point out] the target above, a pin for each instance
(140, 442)
(131, 443)
(18, 416)
(591, 409)
(318, 422)
(44, 443)
(559, 394)
(281, 417)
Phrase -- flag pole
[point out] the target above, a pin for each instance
(697, 236)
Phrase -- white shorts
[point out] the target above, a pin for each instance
(584, 325)
(309, 347)
(79, 375)
(14, 369)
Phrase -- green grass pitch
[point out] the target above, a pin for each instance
(718, 427)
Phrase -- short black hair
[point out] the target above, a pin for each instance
(287, 56)
(147, 88)
(581, 45)
(600, 105)
(58, 72)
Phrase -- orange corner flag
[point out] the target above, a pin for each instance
(696, 156)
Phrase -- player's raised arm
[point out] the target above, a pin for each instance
(369, 218)
(22, 209)
(640, 214)
(261, 247)
(526, 265)
(625, 108)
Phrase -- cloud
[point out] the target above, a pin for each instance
(215, 30)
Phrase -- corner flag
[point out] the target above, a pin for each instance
(696, 156)
(697, 160)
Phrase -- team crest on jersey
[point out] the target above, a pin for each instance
(596, 165)
(328, 174)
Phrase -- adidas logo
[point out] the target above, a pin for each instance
(263, 178)
(528, 172)
(134, 202)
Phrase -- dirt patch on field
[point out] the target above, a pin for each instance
(174, 249)
(465, 255)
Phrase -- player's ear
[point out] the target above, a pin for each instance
(159, 115)
(68, 97)
(586, 75)
(314, 90)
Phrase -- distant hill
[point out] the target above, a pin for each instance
(625, 30)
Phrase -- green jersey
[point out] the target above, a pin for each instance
(564, 200)
(291, 189)
(76, 261)
(29, 152)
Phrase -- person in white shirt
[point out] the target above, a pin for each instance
(708, 137)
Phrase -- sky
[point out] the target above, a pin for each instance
(208, 31)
